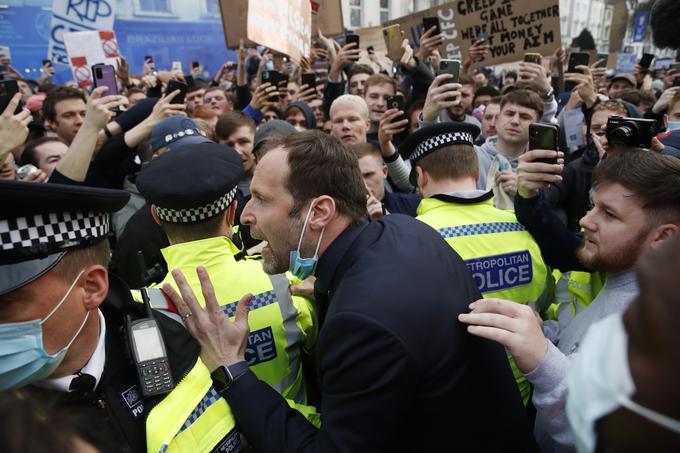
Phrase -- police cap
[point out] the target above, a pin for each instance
(39, 223)
(192, 183)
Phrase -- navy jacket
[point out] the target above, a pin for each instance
(397, 371)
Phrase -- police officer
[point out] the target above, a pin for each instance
(500, 254)
(64, 318)
(192, 191)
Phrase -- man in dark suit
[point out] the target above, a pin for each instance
(396, 371)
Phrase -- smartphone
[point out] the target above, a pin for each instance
(543, 136)
(46, 62)
(396, 102)
(8, 88)
(604, 57)
(148, 58)
(536, 58)
(450, 67)
(429, 22)
(482, 38)
(308, 79)
(195, 64)
(577, 59)
(392, 36)
(676, 81)
(273, 78)
(352, 38)
(177, 85)
(646, 60)
(177, 66)
(104, 75)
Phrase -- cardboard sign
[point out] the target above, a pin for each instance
(86, 48)
(327, 16)
(282, 26)
(74, 16)
(235, 22)
(515, 27)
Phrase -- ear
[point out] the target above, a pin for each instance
(231, 212)
(661, 233)
(323, 212)
(385, 171)
(665, 120)
(422, 177)
(95, 283)
(154, 214)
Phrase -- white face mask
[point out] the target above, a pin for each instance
(600, 382)
(673, 125)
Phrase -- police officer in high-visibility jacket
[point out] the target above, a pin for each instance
(501, 255)
(192, 192)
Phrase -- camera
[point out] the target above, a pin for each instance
(630, 132)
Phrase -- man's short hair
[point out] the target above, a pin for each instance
(134, 90)
(674, 101)
(487, 91)
(360, 69)
(653, 177)
(320, 164)
(179, 233)
(451, 162)
(380, 79)
(632, 96)
(466, 79)
(57, 95)
(352, 99)
(362, 150)
(197, 85)
(76, 259)
(229, 122)
(524, 98)
(496, 100)
(611, 106)
(30, 153)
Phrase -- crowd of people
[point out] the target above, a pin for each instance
(342, 254)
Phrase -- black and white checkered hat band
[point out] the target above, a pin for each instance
(439, 141)
(51, 233)
(194, 215)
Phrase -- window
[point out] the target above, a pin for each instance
(153, 6)
(355, 13)
(384, 11)
(212, 7)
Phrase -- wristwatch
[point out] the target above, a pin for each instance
(224, 376)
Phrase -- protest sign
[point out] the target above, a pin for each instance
(327, 16)
(282, 26)
(74, 16)
(86, 48)
(234, 21)
(625, 62)
(514, 27)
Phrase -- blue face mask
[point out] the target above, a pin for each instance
(23, 359)
(673, 125)
(304, 267)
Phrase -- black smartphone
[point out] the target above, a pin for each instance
(577, 59)
(148, 58)
(646, 60)
(543, 136)
(46, 62)
(482, 38)
(272, 77)
(676, 81)
(450, 67)
(533, 58)
(177, 85)
(8, 88)
(602, 57)
(352, 38)
(429, 22)
(396, 102)
(309, 79)
(104, 75)
(195, 64)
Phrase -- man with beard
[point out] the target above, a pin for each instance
(385, 364)
(636, 208)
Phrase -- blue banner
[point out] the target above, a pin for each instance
(641, 22)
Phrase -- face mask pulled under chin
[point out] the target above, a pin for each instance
(23, 358)
(304, 267)
(600, 382)
(673, 126)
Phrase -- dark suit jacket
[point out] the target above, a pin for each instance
(397, 371)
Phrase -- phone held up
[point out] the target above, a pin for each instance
(544, 136)
(450, 67)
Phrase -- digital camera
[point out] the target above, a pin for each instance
(630, 132)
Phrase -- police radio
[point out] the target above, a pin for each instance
(148, 350)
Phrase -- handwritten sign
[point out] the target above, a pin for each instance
(282, 26)
(86, 48)
(73, 16)
(514, 27)
(327, 16)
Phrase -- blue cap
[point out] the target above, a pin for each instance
(175, 131)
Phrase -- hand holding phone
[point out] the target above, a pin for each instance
(429, 22)
(450, 67)
(177, 85)
(544, 136)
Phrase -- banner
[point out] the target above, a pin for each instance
(86, 48)
(641, 21)
(514, 27)
(73, 16)
(282, 26)
(327, 16)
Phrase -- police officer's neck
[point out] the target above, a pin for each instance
(82, 349)
(447, 185)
